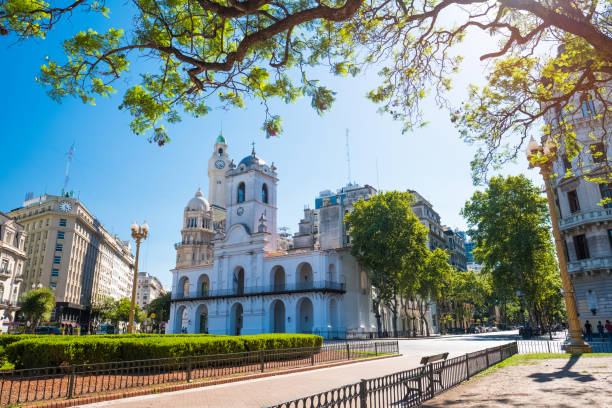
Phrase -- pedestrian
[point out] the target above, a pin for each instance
(588, 331)
(609, 329)
(600, 330)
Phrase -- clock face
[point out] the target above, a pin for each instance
(240, 211)
(219, 164)
(65, 206)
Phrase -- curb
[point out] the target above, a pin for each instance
(181, 387)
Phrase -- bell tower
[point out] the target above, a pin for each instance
(217, 166)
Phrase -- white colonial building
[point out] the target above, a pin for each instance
(249, 284)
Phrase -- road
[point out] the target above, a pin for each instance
(272, 390)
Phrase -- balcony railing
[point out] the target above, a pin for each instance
(583, 217)
(265, 290)
(18, 278)
(604, 262)
(4, 274)
(178, 244)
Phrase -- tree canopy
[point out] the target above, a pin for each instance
(390, 243)
(509, 222)
(549, 52)
(37, 304)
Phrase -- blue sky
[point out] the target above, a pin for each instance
(121, 178)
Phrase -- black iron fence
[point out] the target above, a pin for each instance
(408, 388)
(21, 386)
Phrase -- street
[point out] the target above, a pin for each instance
(272, 390)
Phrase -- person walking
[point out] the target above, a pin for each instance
(588, 331)
(609, 329)
(600, 330)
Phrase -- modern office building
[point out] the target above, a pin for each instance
(70, 252)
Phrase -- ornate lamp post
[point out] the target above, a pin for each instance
(139, 232)
(544, 157)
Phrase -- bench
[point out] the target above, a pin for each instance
(426, 370)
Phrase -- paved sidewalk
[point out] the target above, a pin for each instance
(273, 390)
(267, 391)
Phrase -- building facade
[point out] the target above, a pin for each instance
(12, 262)
(455, 247)
(260, 281)
(585, 211)
(70, 252)
(149, 288)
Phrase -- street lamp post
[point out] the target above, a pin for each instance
(139, 232)
(544, 157)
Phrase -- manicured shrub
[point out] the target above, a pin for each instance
(52, 351)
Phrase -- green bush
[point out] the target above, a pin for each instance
(53, 351)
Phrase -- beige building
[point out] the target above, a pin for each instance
(12, 260)
(585, 216)
(149, 288)
(70, 252)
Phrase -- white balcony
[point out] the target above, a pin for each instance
(604, 262)
(584, 217)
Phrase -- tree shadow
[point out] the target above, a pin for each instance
(565, 372)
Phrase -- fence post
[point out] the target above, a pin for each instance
(71, 383)
(363, 393)
(262, 360)
(487, 356)
(431, 380)
(348, 351)
(188, 369)
(376, 348)
(467, 366)
(312, 356)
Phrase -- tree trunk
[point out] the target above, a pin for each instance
(377, 314)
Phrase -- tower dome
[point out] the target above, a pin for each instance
(198, 203)
(252, 159)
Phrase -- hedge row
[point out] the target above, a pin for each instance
(53, 351)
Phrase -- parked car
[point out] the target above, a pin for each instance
(47, 330)
(105, 329)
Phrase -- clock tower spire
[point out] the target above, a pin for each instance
(217, 166)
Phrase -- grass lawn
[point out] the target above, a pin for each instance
(527, 359)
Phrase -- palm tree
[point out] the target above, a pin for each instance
(37, 305)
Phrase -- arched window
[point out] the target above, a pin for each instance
(264, 193)
(241, 192)
(588, 108)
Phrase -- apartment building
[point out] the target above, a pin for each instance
(70, 252)
(12, 260)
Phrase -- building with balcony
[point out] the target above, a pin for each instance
(12, 261)
(585, 209)
(256, 280)
(149, 288)
(70, 252)
(455, 247)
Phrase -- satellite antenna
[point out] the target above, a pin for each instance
(348, 157)
(68, 162)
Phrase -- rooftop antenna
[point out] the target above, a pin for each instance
(68, 162)
(348, 157)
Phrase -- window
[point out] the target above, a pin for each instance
(62, 222)
(241, 189)
(606, 192)
(598, 152)
(572, 198)
(60, 234)
(57, 259)
(55, 273)
(566, 163)
(59, 247)
(4, 267)
(53, 285)
(581, 246)
(264, 193)
(588, 108)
